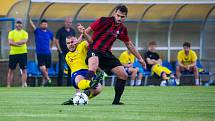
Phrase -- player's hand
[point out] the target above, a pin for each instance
(80, 28)
(186, 67)
(142, 62)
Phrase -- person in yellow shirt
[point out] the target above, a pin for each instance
(17, 40)
(127, 59)
(75, 58)
(186, 61)
(154, 64)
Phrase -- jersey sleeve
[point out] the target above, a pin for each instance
(97, 24)
(123, 36)
(58, 35)
(194, 57)
(36, 31)
(25, 35)
(10, 35)
(179, 56)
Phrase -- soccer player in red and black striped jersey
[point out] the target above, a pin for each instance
(106, 30)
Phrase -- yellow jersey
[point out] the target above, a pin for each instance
(76, 59)
(187, 59)
(126, 58)
(17, 36)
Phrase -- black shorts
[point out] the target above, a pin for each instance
(20, 59)
(44, 60)
(107, 60)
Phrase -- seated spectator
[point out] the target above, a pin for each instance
(127, 59)
(186, 61)
(154, 63)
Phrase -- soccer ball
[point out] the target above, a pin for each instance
(80, 99)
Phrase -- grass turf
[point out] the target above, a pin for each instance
(142, 104)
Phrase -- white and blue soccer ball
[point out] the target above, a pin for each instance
(80, 99)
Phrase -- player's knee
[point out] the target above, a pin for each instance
(83, 84)
(123, 76)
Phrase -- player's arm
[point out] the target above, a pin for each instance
(181, 64)
(56, 42)
(12, 43)
(159, 61)
(193, 60)
(192, 64)
(24, 41)
(151, 61)
(132, 49)
(179, 58)
(32, 24)
(84, 33)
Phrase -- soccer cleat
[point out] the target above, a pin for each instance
(98, 79)
(68, 102)
(118, 103)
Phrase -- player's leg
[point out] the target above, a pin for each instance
(178, 73)
(120, 83)
(194, 69)
(12, 65)
(82, 83)
(92, 92)
(93, 62)
(41, 63)
(9, 77)
(60, 69)
(22, 65)
(139, 77)
(133, 72)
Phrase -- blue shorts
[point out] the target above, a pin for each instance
(81, 72)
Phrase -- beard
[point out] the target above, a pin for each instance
(43, 28)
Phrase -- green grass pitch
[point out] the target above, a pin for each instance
(142, 104)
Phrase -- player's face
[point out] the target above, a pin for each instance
(152, 48)
(186, 49)
(68, 22)
(18, 26)
(119, 16)
(44, 25)
(70, 43)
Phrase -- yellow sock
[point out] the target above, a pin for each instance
(84, 84)
(91, 96)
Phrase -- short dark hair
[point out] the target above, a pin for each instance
(43, 21)
(122, 8)
(152, 43)
(186, 44)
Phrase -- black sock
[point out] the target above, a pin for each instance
(89, 75)
(87, 92)
(119, 89)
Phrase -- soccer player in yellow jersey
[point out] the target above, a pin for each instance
(17, 39)
(127, 59)
(75, 58)
(187, 62)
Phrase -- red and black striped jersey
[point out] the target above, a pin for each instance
(105, 32)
